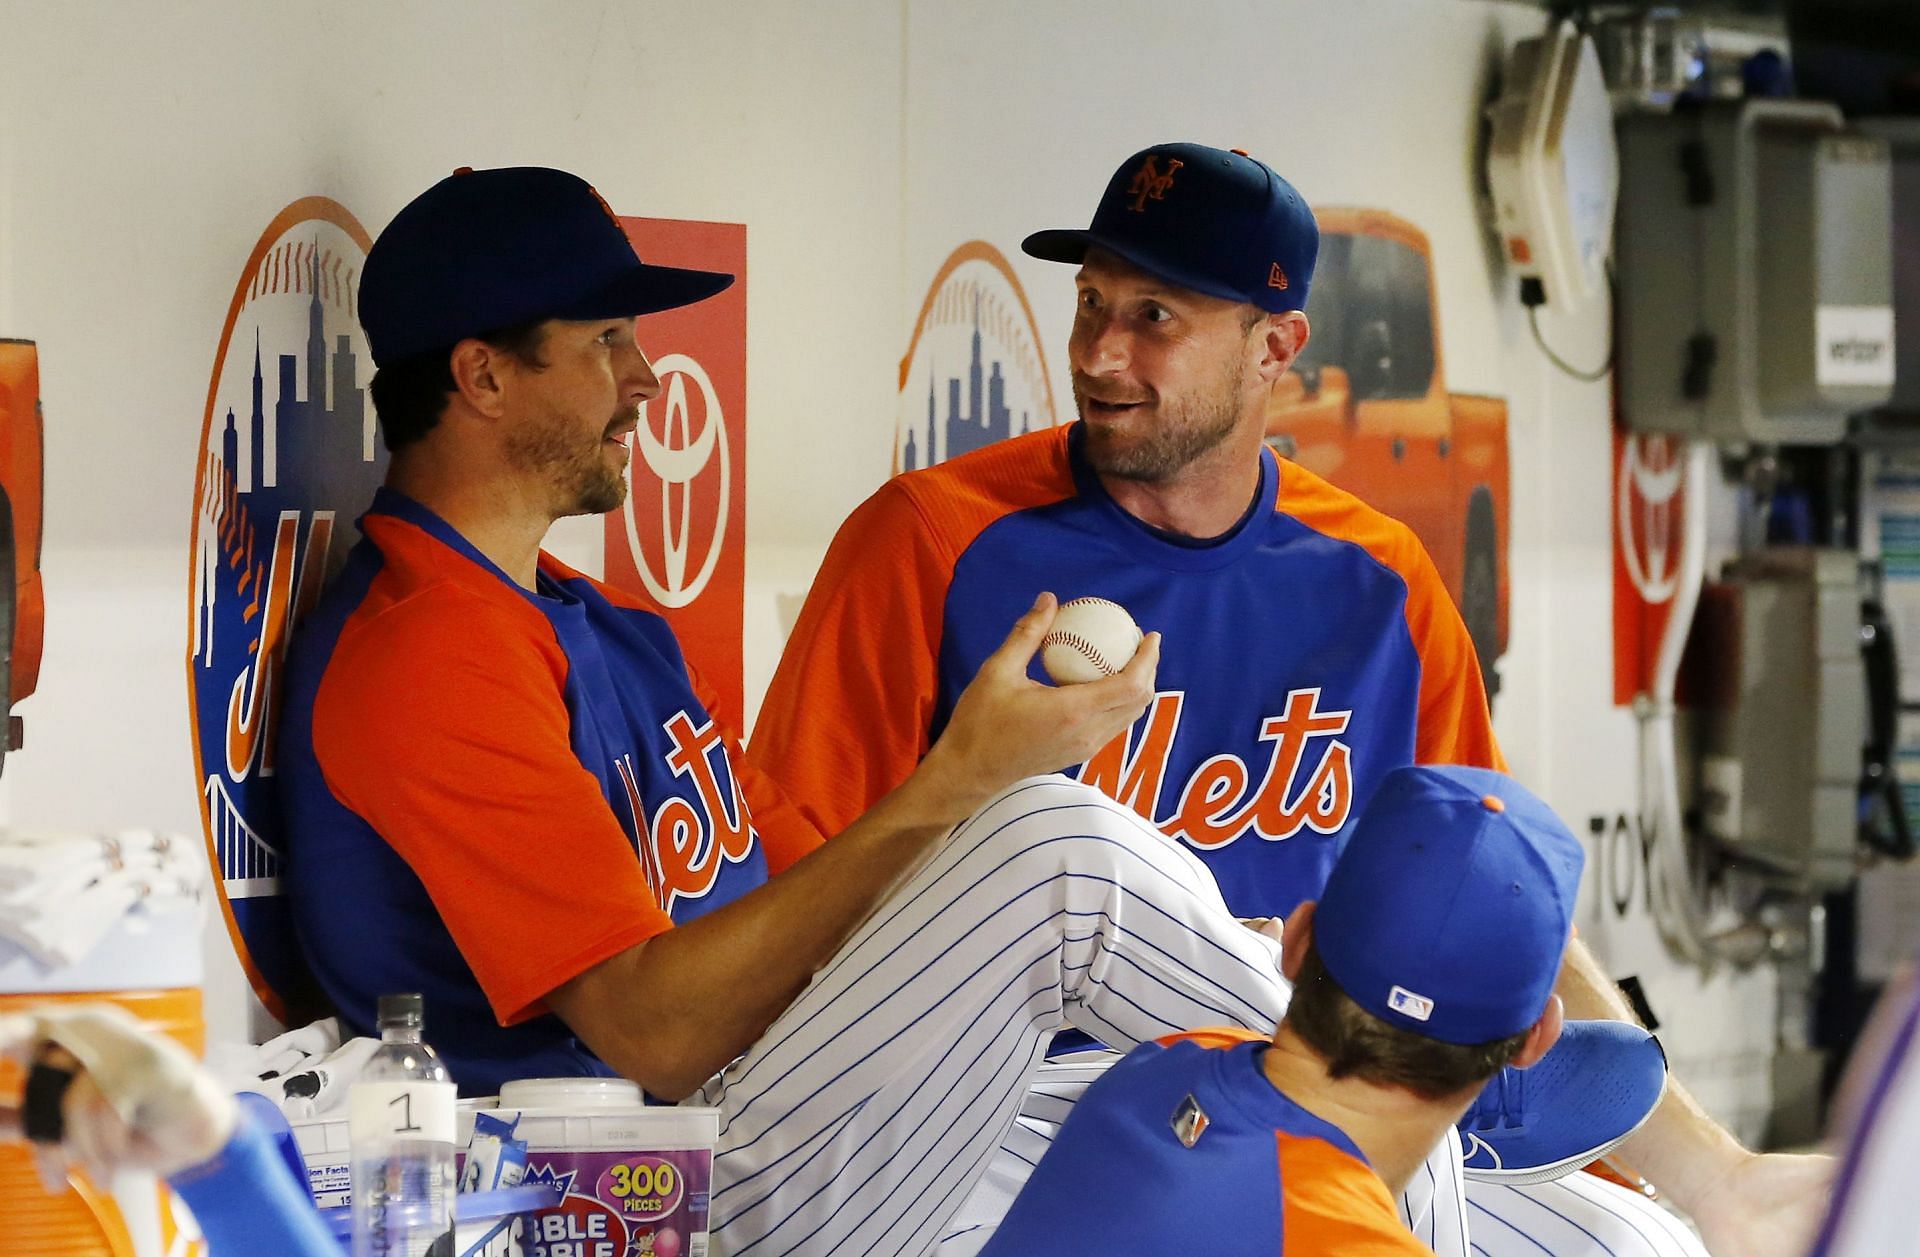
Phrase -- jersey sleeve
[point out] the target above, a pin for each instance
(847, 715)
(1331, 1202)
(1455, 724)
(454, 746)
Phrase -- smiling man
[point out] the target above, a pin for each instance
(1311, 649)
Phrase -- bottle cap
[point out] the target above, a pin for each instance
(402, 1010)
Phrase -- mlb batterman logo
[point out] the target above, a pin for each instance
(288, 458)
(1407, 1004)
(973, 372)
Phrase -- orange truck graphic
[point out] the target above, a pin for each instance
(1367, 407)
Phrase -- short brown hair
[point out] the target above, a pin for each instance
(410, 396)
(1356, 1044)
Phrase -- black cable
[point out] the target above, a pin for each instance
(1585, 377)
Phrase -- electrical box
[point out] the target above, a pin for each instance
(1774, 667)
(1552, 166)
(1755, 265)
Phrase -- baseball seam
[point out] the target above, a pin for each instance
(1088, 649)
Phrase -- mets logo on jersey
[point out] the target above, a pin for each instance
(973, 373)
(1150, 182)
(690, 838)
(1305, 783)
(288, 458)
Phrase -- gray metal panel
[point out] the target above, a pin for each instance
(1796, 718)
(1792, 217)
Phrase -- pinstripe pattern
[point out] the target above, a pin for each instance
(1576, 1216)
(868, 1111)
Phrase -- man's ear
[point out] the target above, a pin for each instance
(1282, 338)
(478, 376)
(1294, 937)
(1544, 1034)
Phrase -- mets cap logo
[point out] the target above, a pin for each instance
(288, 458)
(1150, 182)
(973, 372)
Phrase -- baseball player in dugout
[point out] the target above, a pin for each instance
(505, 790)
(1310, 649)
(1427, 965)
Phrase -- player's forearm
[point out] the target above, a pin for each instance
(674, 1010)
(1681, 1149)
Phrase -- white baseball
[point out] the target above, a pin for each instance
(1090, 638)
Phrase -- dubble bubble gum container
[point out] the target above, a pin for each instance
(633, 1178)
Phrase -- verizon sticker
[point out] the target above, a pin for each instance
(1856, 345)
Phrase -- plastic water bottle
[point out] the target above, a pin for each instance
(400, 1124)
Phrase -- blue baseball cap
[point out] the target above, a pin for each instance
(486, 249)
(1449, 910)
(1210, 219)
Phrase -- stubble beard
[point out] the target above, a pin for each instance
(1183, 431)
(582, 480)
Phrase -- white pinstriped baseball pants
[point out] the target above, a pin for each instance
(866, 1114)
(869, 1112)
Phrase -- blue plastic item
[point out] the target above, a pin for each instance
(247, 1201)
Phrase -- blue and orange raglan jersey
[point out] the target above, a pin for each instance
(489, 790)
(1185, 1146)
(1305, 653)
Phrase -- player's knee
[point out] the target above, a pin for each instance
(1060, 827)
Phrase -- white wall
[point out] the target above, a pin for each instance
(141, 155)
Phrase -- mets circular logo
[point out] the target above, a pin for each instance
(679, 484)
(1649, 502)
(973, 372)
(288, 456)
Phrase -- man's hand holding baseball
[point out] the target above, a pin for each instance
(1007, 726)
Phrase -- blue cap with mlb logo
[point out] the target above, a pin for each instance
(1213, 220)
(1449, 910)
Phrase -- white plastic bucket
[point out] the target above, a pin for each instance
(636, 1177)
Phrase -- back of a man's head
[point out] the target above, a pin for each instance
(1437, 942)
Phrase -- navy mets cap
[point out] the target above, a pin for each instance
(487, 249)
(1209, 219)
(1450, 908)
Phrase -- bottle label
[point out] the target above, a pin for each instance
(401, 1110)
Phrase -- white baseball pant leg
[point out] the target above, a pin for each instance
(867, 1112)
(1580, 1215)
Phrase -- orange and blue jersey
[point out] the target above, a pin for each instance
(1185, 1146)
(1306, 653)
(489, 790)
